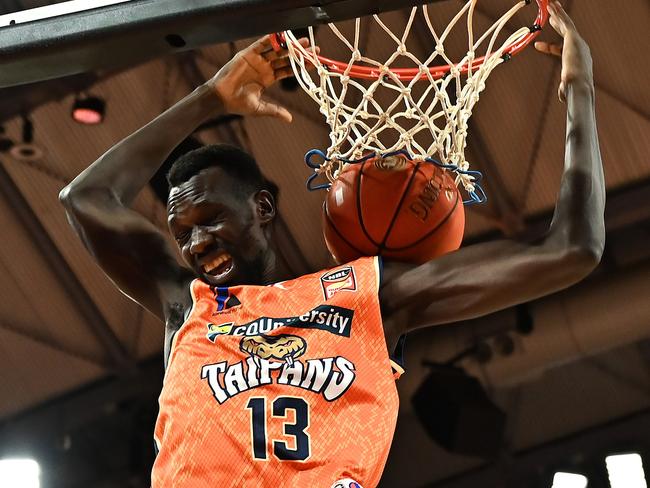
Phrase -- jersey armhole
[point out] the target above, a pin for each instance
(187, 314)
(397, 355)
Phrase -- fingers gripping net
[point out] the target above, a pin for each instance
(422, 122)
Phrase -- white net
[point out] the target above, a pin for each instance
(427, 114)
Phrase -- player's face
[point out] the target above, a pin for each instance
(220, 232)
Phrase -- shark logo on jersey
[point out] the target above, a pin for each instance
(330, 377)
(341, 279)
(283, 347)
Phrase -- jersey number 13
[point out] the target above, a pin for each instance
(280, 408)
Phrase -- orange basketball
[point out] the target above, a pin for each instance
(393, 207)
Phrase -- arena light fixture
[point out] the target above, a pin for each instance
(26, 150)
(626, 471)
(88, 110)
(569, 480)
(20, 473)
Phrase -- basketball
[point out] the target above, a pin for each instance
(393, 207)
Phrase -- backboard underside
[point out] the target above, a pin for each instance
(123, 34)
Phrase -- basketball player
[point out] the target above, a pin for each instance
(277, 381)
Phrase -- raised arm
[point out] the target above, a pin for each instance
(484, 278)
(129, 248)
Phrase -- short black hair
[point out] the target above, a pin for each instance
(232, 159)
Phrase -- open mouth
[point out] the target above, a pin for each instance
(218, 265)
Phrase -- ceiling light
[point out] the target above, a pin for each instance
(626, 471)
(88, 110)
(20, 473)
(569, 480)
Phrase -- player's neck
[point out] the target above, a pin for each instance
(274, 269)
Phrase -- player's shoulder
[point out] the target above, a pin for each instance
(367, 265)
(394, 269)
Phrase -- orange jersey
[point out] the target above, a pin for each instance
(282, 385)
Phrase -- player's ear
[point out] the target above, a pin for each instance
(265, 205)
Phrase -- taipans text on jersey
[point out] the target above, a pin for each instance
(331, 377)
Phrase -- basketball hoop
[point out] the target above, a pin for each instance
(420, 122)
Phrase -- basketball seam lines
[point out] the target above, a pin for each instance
(432, 231)
(363, 227)
(338, 233)
(399, 206)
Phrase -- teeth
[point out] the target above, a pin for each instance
(216, 262)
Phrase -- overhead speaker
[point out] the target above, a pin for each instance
(458, 415)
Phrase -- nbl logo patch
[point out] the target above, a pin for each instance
(342, 279)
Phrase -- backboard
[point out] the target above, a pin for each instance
(86, 35)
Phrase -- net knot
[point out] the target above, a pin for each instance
(356, 55)
(401, 48)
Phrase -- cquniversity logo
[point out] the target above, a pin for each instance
(346, 483)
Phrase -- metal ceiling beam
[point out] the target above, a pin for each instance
(79, 297)
(626, 207)
(598, 85)
(550, 90)
(620, 99)
(35, 336)
(134, 32)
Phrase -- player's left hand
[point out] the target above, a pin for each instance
(575, 53)
(241, 82)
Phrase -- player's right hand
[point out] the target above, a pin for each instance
(241, 82)
(577, 65)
